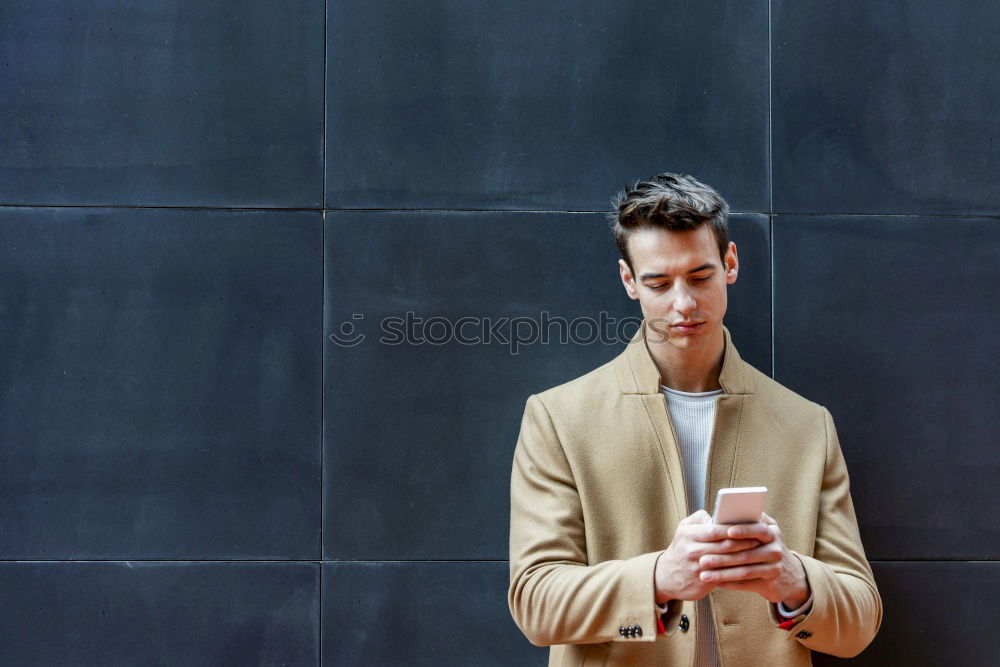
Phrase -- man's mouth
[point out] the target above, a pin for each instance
(686, 327)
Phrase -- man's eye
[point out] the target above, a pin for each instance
(702, 279)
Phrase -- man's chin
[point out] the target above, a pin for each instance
(685, 342)
(676, 342)
(693, 340)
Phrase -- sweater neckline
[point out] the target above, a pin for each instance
(689, 394)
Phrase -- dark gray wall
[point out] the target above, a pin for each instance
(195, 196)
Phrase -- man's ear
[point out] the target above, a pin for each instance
(627, 279)
(732, 262)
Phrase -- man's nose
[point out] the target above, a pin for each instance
(684, 303)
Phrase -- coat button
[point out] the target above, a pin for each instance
(684, 624)
(638, 631)
(621, 630)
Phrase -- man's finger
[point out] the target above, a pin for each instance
(710, 532)
(767, 519)
(722, 546)
(701, 516)
(741, 573)
(729, 545)
(756, 531)
(745, 557)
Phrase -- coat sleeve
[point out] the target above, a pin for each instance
(847, 610)
(555, 596)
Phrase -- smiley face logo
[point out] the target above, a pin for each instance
(347, 336)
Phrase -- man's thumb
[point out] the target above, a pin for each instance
(701, 516)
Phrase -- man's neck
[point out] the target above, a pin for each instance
(691, 370)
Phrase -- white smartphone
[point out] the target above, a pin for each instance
(743, 504)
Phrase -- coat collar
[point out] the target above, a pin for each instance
(637, 372)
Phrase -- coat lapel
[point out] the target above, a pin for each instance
(637, 374)
(723, 453)
(659, 419)
(639, 377)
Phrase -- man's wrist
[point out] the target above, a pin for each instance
(802, 592)
(660, 596)
(798, 599)
(787, 612)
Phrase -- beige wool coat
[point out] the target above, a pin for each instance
(597, 491)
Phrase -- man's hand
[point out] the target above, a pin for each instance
(678, 569)
(770, 570)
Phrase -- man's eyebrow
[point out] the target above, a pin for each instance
(706, 265)
(649, 276)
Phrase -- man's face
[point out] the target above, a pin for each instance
(680, 282)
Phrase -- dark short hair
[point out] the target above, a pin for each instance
(676, 202)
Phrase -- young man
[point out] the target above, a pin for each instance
(614, 559)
